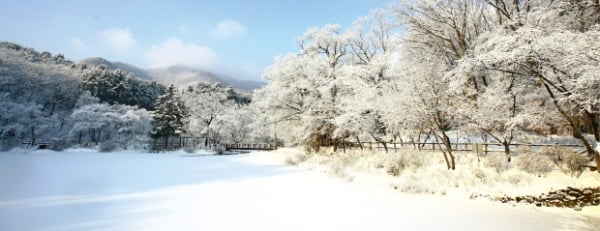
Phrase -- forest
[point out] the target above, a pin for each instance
(493, 70)
(502, 70)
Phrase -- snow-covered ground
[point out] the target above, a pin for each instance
(86, 190)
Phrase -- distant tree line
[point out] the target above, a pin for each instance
(44, 97)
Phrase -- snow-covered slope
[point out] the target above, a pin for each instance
(97, 61)
(181, 75)
(177, 74)
(85, 190)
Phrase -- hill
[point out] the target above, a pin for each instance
(97, 61)
(177, 74)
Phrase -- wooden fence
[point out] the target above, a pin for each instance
(483, 147)
(175, 143)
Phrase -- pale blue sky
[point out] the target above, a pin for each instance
(235, 37)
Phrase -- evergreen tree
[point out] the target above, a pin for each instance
(170, 116)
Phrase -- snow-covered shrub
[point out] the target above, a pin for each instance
(437, 180)
(107, 146)
(395, 168)
(573, 163)
(523, 149)
(554, 154)
(191, 149)
(534, 163)
(395, 164)
(496, 161)
(296, 158)
(517, 179)
(347, 159)
(414, 159)
(219, 150)
(480, 175)
(60, 144)
(568, 160)
(290, 161)
(8, 144)
(409, 160)
(155, 147)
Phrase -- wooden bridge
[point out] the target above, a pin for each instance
(238, 146)
(39, 145)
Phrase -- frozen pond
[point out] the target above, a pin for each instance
(85, 190)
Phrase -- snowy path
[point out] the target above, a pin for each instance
(128, 191)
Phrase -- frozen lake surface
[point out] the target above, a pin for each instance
(86, 190)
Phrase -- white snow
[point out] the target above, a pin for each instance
(86, 190)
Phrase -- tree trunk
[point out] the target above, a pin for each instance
(32, 135)
(359, 143)
(384, 146)
(448, 145)
(99, 136)
(443, 152)
(335, 146)
(598, 162)
(507, 150)
(595, 125)
(574, 125)
(93, 135)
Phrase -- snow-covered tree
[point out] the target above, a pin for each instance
(170, 116)
(101, 122)
(117, 86)
(22, 121)
(426, 100)
(551, 50)
(212, 109)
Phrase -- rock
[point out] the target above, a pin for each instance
(555, 196)
(574, 193)
(569, 197)
(575, 190)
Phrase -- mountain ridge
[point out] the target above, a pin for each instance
(176, 74)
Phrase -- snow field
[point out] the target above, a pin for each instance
(86, 190)
(425, 172)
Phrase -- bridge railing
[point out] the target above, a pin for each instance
(243, 146)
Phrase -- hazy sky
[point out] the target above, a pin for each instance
(236, 37)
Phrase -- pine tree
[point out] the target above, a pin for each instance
(170, 116)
